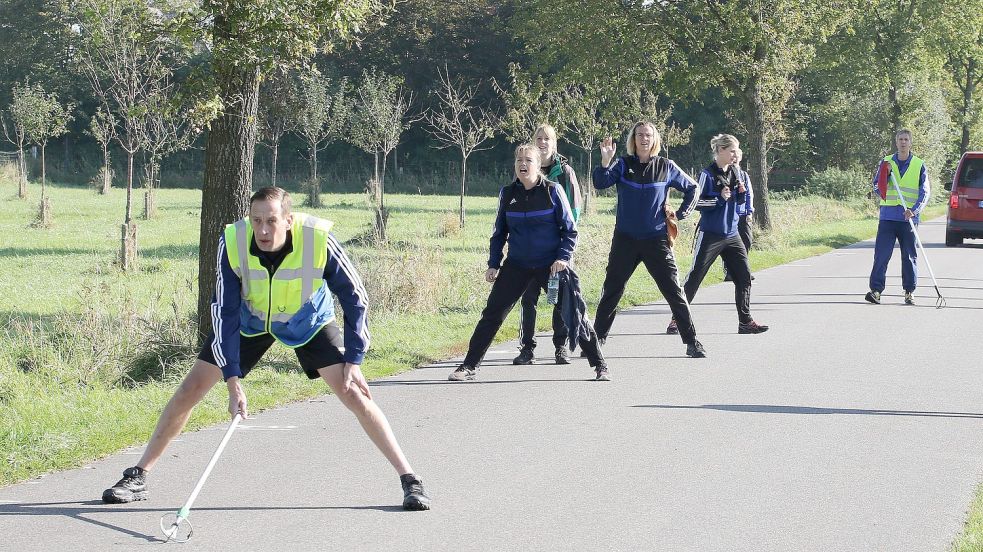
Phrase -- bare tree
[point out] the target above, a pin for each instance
(123, 55)
(167, 128)
(277, 114)
(457, 122)
(102, 127)
(15, 130)
(380, 118)
(322, 118)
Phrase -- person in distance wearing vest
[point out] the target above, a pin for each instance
(556, 169)
(534, 219)
(275, 277)
(909, 173)
(643, 180)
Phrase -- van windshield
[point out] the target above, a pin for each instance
(971, 175)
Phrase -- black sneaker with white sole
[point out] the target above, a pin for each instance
(873, 297)
(131, 488)
(562, 355)
(414, 497)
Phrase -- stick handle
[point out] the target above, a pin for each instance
(185, 510)
(918, 240)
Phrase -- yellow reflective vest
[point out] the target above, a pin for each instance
(295, 303)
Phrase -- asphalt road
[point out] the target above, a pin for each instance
(847, 426)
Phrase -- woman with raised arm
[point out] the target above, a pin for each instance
(643, 180)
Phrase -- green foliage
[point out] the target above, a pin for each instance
(839, 184)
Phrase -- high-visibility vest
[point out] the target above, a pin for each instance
(295, 303)
(908, 183)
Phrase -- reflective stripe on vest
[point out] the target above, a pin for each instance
(297, 278)
(909, 182)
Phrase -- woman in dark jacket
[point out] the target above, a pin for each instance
(534, 219)
(721, 192)
(643, 180)
(556, 169)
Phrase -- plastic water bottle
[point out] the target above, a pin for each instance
(553, 289)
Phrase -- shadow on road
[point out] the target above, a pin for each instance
(787, 409)
(81, 510)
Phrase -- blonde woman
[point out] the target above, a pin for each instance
(721, 192)
(744, 212)
(535, 220)
(643, 180)
(556, 169)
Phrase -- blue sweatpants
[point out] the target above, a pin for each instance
(889, 231)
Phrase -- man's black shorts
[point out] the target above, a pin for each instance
(324, 349)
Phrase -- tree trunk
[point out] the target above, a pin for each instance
(758, 149)
(128, 218)
(892, 96)
(464, 171)
(276, 151)
(107, 179)
(128, 247)
(43, 180)
(313, 162)
(228, 173)
(21, 173)
(967, 107)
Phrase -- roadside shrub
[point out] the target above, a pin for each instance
(107, 341)
(840, 184)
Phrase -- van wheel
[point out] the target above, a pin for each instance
(952, 239)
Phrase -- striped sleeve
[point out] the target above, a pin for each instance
(605, 177)
(709, 198)
(681, 181)
(343, 281)
(500, 234)
(226, 304)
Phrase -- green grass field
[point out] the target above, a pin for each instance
(90, 355)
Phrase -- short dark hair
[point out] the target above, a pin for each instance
(273, 193)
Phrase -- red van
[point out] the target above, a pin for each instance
(965, 216)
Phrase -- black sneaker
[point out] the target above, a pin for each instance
(909, 299)
(525, 356)
(131, 488)
(751, 327)
(873, 297)
(672, 329)
(562, 355)
(695, 350)
(414, 497)
(463, 372)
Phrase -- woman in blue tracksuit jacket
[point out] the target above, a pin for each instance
(643, 180)
(535, 220)
(721, 191)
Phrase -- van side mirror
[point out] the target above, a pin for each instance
(947, 186)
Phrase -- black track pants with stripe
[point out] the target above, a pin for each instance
(626, 253)
(707, 247)
(511, 283)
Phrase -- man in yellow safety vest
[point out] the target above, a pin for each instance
(908, 172)
(276, 273)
